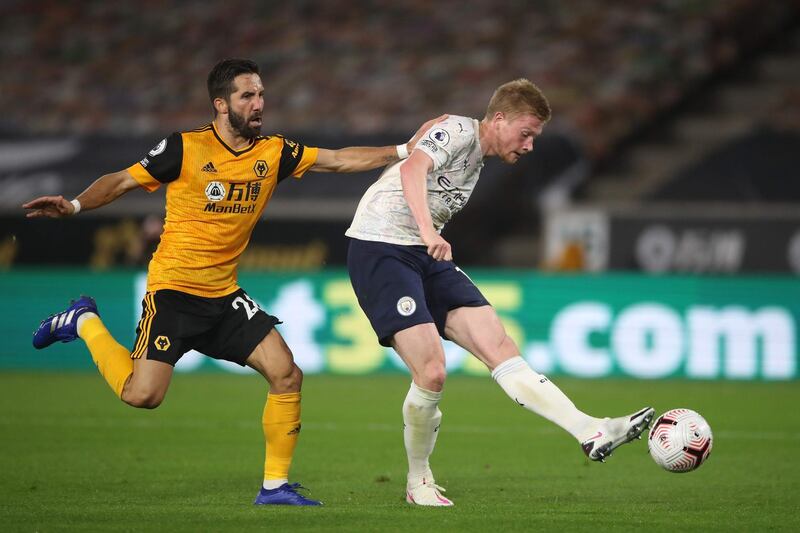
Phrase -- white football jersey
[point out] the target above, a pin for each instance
(383, 213)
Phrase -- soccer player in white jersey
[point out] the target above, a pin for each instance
(402, 272)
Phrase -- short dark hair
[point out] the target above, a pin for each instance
(220, 79)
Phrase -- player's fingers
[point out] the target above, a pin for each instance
(44, 201)
(428, 125)
(447, 252)
(38, 202)
(47, 211)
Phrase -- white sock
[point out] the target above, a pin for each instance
(270, 484)
(421, 418)
(81, 318)
(536, 393)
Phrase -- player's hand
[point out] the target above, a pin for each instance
(438, 248)
(49, 206)
(422, 130)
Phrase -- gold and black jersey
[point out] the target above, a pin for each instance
(215, 196)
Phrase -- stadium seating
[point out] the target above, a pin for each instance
(365, 68)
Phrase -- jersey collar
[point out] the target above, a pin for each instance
(231, 150)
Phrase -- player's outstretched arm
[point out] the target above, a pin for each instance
(354, 158)
(103, 191)
(361, 158)
(413, 176)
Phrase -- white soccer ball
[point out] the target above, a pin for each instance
(680, 440)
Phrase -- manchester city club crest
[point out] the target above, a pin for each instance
(406, 306)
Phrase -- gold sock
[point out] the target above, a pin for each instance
(112, 359)
(281, 423)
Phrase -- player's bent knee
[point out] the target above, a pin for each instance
(295, 378)
(288, 381)
(143, 398)
(433, 376)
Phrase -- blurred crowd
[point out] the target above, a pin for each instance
(368, 67)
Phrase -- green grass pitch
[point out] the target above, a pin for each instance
(75, 458)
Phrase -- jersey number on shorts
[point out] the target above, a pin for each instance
(250, 307)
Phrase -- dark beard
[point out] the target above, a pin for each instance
(242, 127)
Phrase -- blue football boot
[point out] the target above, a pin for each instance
(286, 494)
(63, 326)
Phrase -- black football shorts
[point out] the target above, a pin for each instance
(174, 322)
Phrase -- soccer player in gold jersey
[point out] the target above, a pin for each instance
(219, 179)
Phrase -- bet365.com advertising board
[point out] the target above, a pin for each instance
(591, 326)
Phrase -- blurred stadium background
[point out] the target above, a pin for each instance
(654, 233)
(672, 157)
